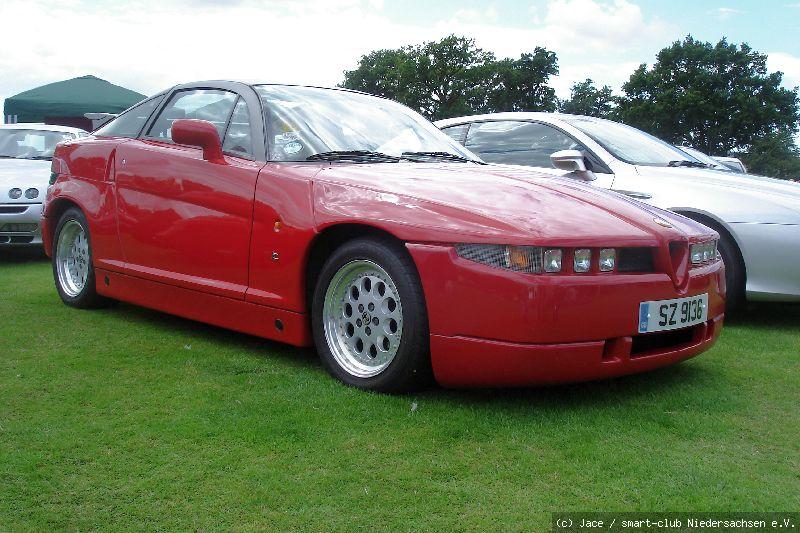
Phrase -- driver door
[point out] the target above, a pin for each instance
(184, 220)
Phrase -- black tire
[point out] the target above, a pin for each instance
(410, 368)
(87, 297)
(734, 274)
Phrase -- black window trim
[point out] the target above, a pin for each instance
(249, 157)
(466, 131)
(244, 91)
(154, 117)
(595, 159)
(160, 95)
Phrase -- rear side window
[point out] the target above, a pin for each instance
(457, 133)
(237, 139)
(518, 143)
(130, 123)
(212, 105)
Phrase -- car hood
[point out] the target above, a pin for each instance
(751, 198)
(491, 201)
(24, 174)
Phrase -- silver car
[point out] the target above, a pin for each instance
(758, 218)
(25, 153)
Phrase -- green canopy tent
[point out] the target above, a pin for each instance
(66, 102)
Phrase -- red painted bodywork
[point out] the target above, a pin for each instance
(229, 243)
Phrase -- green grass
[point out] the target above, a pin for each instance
(126, 417)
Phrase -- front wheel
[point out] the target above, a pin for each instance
(734, 275)
(72, 262)
(369, 317)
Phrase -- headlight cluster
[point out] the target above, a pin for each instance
(535, 259)
(16, 193)
(703, 252)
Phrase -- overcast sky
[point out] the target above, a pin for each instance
(148, 45)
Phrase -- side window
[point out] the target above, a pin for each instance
(237, 138)
(457, 133)
(518, 143)
(203, 104)
(130, 123)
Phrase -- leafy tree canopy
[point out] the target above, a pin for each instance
(774, 155)
(586, 99)
(454, 77)
(717, 98)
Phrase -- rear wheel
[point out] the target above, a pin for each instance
(369, 317)
(72, 262)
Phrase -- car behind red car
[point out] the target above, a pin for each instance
(347, 221)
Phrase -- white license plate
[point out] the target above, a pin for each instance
(663, 315)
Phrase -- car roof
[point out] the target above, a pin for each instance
(212, 83)
(513, 115)
(40, 126)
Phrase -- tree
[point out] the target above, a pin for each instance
(521, 84)
(717, 98)
(774, 155)
(453, 77)
(383, 73)
(586, 99)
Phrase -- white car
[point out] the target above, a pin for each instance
(757, 218)
(25, 154)
(733, 163)
(709, 161)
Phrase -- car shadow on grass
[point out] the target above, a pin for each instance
(769, 315)
(215, 335)
(680, 379)
(23, 255)
(570, 396)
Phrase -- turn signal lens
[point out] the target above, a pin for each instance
(608, 259)
(552, 260)
(518, 258)
(583, 260)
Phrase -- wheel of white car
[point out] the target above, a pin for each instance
(73, 270)
(369, 318)
(734, 274)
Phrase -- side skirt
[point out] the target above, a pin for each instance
(238, 315)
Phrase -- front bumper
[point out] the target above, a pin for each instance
(491, 327)
(772, 260)
(19, 213)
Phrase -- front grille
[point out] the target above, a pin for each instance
(654, 342)
(635, 260)
(12, 209)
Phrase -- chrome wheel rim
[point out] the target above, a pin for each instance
(72, 258)
(363, 318)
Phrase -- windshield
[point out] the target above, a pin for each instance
(629, 144)
(30, 144)
(307, 122)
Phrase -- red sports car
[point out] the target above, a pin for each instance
(347, 221)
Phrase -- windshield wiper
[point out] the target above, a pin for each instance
(685, 163)
(362, 156)
(446, 156)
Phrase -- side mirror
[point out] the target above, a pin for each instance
(574, 162)
(569, 160)
(202, 134)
